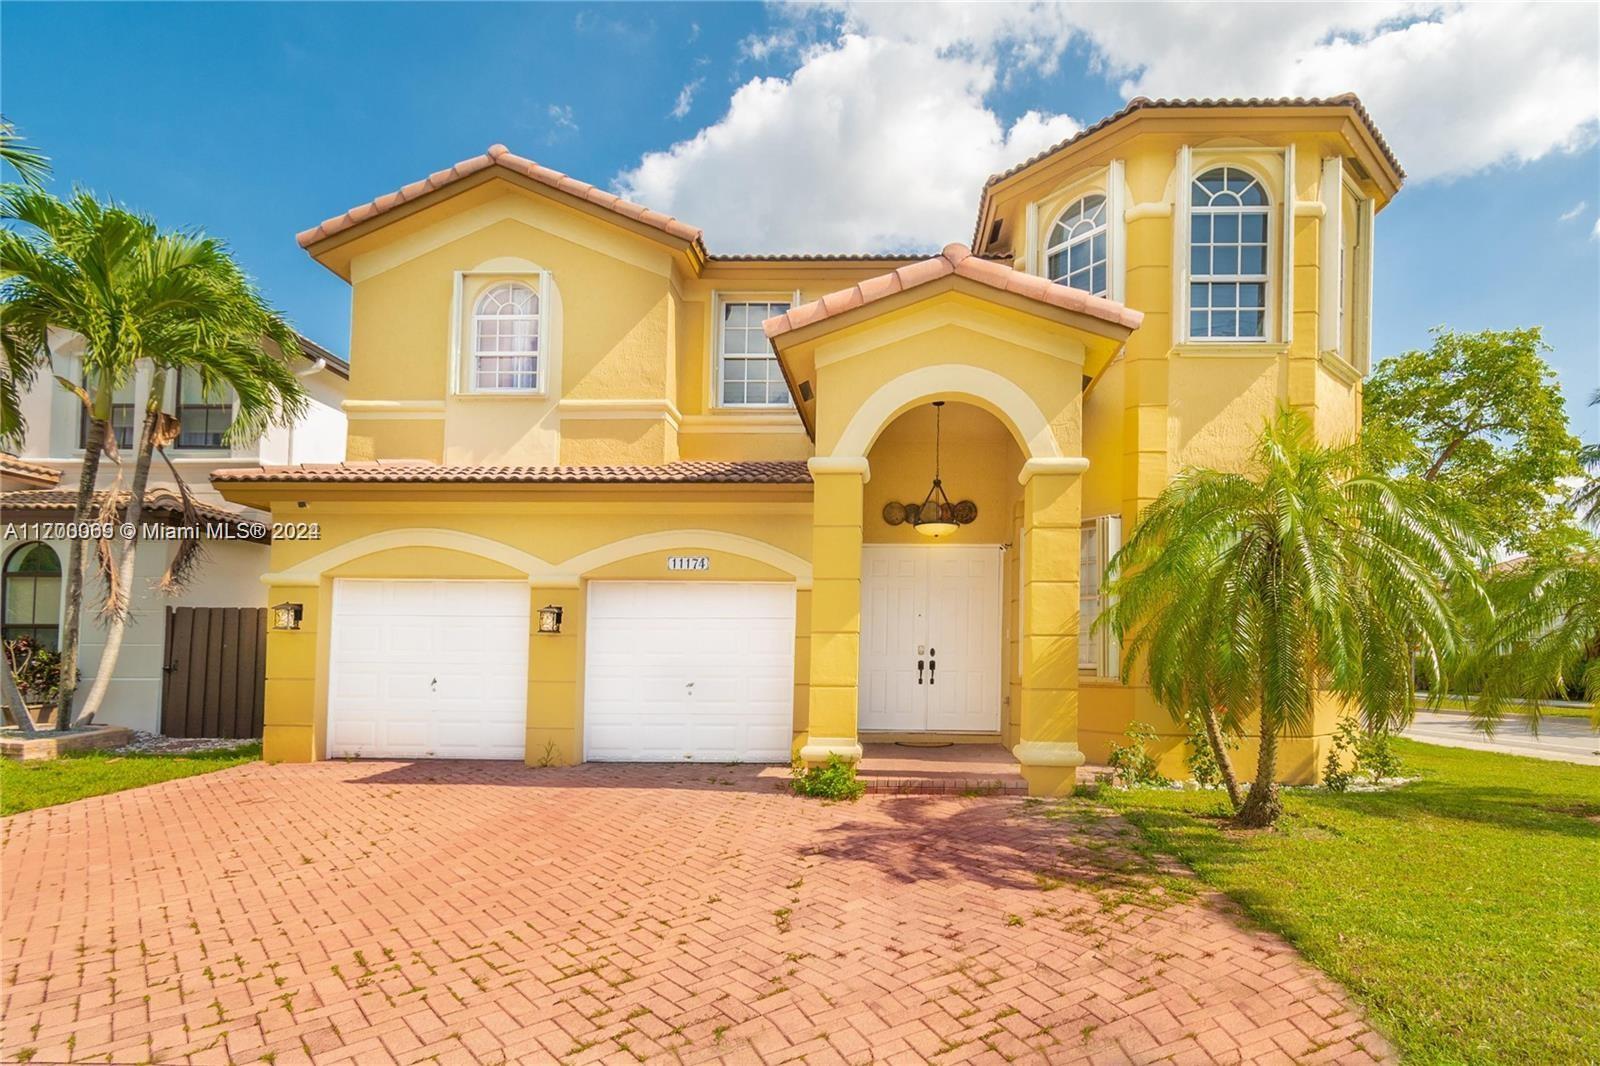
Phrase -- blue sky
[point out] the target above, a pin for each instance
(779, 128)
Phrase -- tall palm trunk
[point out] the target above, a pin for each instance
(1230, 780)
(122, 591)
(1262, 807)
(93, 445)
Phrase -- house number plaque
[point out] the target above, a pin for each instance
(688, 562)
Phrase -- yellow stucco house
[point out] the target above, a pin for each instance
(609, 496)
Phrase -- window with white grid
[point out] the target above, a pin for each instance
(1227, 256)
(1075, 254)
(748, 370)
(505, 339)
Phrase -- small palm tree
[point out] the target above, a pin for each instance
(31, 165)
(135, 295)
(1587, 499)
(1543, 640)
(1244, 594)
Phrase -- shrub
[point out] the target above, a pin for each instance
(38, 670)
(833, 780)
(1357, 752)
(1200, 759)
(1134, 765)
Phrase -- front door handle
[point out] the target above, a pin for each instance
(919, 671)
(933, 665)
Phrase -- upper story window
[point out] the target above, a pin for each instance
(122, 404)
(203, 417)
(505, 339)
(748, 373)
(1227, 256)
(1075, 254)
(32, 595)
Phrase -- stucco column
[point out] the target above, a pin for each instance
(830, 727)
(1052, 508)
(289, 712)
(553, 734)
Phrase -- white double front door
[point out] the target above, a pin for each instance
(930, 638)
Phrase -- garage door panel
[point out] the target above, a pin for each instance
(428, 669)
(647, 640)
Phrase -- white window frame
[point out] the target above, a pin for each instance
(1264, 279)
(539, 286)
(718, 356)
(1104, 651)
(1102, 229)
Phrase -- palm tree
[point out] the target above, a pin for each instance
(17, 370)
(31, 165)
(1245, 594)
(136, 295)
(1543, 639)
(1587, 500)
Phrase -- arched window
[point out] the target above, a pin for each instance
(505, 339)
(1075, 254)
(1227, 256)
(32, 595)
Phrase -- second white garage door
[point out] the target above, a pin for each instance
(681, 671)
(428, 669)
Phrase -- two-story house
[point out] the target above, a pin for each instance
(610, 496)
(40, 490)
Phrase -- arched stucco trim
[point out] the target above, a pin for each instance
(714, 540)
(310, 571)
(996, 393)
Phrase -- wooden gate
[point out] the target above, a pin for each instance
(214, 672)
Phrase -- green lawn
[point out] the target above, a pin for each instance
(25, 786)
(1463, 909)
(1457, 705)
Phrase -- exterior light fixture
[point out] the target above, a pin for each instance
(287, 615)
(550, 618)
(937, 516)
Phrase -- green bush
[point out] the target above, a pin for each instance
(1200, 759)
(833, 780)
(1357, 752)
(1134, 765)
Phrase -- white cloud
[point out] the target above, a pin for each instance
(686, 98)
(1577, 209)
(1595, 233)
(872, 144)
(882, 135)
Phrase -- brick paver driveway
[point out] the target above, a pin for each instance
(483, 913)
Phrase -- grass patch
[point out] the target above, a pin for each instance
(1460, 909)
(1459, 705)
(27, 786)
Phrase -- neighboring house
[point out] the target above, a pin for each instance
(563, 406)
(41, 487)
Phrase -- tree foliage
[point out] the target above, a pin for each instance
(1245, 594)
(1480, 415)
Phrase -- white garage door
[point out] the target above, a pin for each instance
(689, 670)
(428, 670)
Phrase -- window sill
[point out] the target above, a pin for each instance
(1235, 349)
(503, 395)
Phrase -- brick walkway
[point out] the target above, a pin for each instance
(485, 913)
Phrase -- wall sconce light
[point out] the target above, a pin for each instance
(287, 615)
(550, 618)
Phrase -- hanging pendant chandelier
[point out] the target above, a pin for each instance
(937, 516)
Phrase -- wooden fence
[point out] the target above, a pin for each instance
(215, 670)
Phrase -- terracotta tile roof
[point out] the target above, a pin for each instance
(499, 155)
(398, 471)
(21, 468)
(958, 260)
(819, 257)
(159, 502)
(1142, 103)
